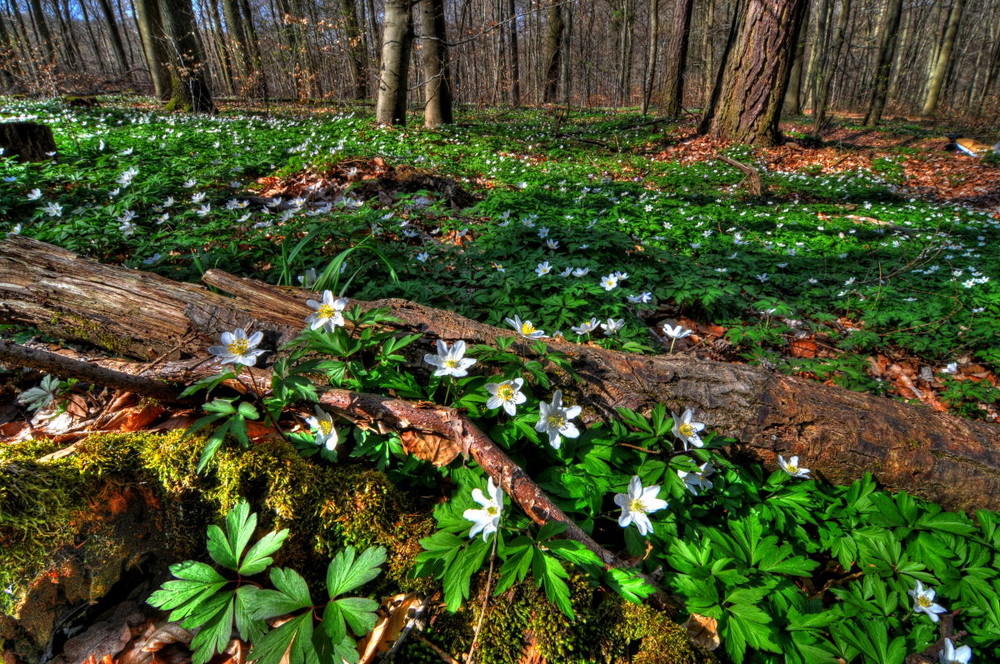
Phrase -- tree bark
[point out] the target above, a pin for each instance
(357, 63)
(756, 73)
(837, 433)
(117, 42)
(28, 141)
(189, 89)
(943, 65)
(883, 62)
(434, 58)
(652, 51)
(397, 38)
(827, 68)
(675, 60)
(554, 33)
(151, 35)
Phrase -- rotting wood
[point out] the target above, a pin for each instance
(837, 433)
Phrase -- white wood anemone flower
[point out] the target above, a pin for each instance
(686, 429)
(791, 466)
(697, 481)
(637, 503)
(555, 420)
(485, 520)
(506, 395)
(923, 602)
(450, 361)
(322, 426)
(238, 348)
(525, 328)
(952, 655)
(329, 313)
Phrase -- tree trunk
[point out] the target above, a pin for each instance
(756, 73)
(397, 38)
(42, 29)
(554, 33)
(514, 54)
(434, 58)
(28, 141)
(883, 62)
(941, 68)
(827, 69)
(652, 51)
(357, 62)
(792, 104)
(675, 61)
(117, 44)
(838, 433)
(151, 35)
(189, 89)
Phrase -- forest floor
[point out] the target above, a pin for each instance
(865, 263)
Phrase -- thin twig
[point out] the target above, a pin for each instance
(486, 598)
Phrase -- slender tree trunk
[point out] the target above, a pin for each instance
(883, 62)
(357, 61)
(7, 58)
(397, 38)
(709, 77)
(117, 44)
(793, 96)
(652, 51)
(943, 65)
(223, 55)
(675, 58)
(42, 29)
(189, 89)
(153, 46)
(237, 42)
(515, 65)
(554, 34)
(71, 51)
(434, 56)
(829, 68)
(95, 45)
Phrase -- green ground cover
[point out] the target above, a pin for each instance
(575, 223)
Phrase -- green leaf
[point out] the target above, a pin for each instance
(259, 555)
(549, 573)
(292, 594)
(345, 573)
(216, 630)
(294, 637)
(629, 585)
(359, 612)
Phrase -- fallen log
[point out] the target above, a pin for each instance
(837, 433)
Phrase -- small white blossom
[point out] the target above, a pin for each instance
(923, 601)
(612, 325)
(555, 420)
(449, 361)
(687, 430)
(329, 313)
(322, 426)
(637, 504)
(486, 519)
(34, 194)
(952, 655)
(791, 466)
(53, 209)
(506, 394)
(697, 481)
(238, 348)
(423, 256)
(543, 268)
(586, 327)
(678, 332)
(642, 298)
(609, 282)
(525, 328)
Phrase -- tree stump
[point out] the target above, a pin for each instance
(29, 141)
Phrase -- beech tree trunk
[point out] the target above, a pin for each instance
(837, 433)
(151, 35)
(675, 58)
(883, 63)
(189, 89)
(943, 65)
(397, 38)
(554, 33)
(357, 63)
(756, 73)
(434, 58)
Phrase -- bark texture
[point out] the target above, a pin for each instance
(943, 64)
(675, 58)
(554, 33)
(756, 73)
(837, 433)
(397, 38)
(189, 89)
(883, 64)
(434, 58)
(29, 141)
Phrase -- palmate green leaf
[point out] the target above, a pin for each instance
(183, 597)
(292, 595)
(517, 562)
(356, 613)
(457, 576)
(215, 617)
(345, 573)
(294, 637)
(628, 584)
(259, 555)
(549, 574)
(248, 628)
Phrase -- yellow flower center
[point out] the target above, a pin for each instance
(326, 311)
(326, 426)
(492, 510)
(636, 505)
(556, 421)
(451, 364)
(792, 468)
(239, 347)
(527, 328)
(505, 392)
(687, 430)
(924, 601)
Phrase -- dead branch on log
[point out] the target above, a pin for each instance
(752, 182)
(842, 434)
(403, 416)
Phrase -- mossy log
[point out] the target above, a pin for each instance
(837, 433)
(28, 141)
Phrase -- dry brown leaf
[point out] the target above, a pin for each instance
(438, 450)
(389, 627)
(135, 418)
(704, 631)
